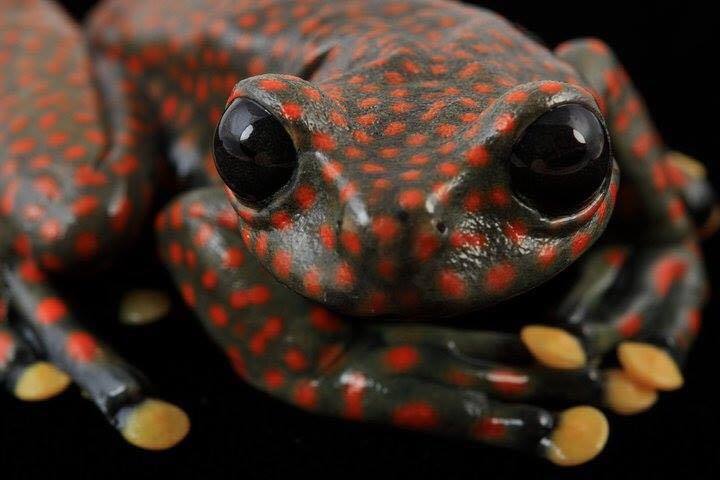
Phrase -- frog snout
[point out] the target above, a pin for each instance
(390, 242)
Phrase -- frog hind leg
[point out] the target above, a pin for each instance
(640, 299)
(74, 190)
(439, 380)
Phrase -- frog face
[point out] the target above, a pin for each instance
(414, 199)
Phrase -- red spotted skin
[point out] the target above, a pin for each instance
(403, 115)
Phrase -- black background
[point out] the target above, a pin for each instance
(670, 52)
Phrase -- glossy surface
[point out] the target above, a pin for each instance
(253, 153)
(561, 160)
(402, 204)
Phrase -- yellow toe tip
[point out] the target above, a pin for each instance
(553, 347)
(156, 425)
(580, 435)
(650, 366)
(625, 396)
(40, 381)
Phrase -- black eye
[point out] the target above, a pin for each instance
(561, 160)
(253, 152)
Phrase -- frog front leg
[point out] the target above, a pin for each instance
(76, 156)
(421, 377)
(641, 297)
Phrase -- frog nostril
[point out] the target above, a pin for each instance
(403, 216)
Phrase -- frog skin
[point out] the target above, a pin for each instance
(389, 186)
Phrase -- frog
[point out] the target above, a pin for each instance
(381, 177)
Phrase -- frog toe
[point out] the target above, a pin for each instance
(40, 381)
(154, 424)
(554, 347)
(650, 366)
(625, 396)
(579, 436)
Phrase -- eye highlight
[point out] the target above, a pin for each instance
(561, 160)
(253, 152)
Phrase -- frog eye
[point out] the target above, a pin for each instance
(561, 160)
(254, 154)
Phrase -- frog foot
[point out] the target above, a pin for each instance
(643, 305)
(44, 349)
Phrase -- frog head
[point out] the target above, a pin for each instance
(377, 195)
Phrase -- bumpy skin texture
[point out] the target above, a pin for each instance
(403, 115)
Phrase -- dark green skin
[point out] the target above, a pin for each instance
(401, 207)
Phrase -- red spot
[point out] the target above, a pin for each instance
(642, 144)
(311, 282)
(218, 315)
(490, 428)
(323, 141)
(305, 395)
(385, 228)
(233, 257)
(416, 415)
(451, 284)
(168, 107)
(401, 359)
(465, 239)
(48, 187)
(580, 243)
(410, 199)
(516, 231)
(305, 196)
(50, 310)
(425, 246)
(499, 197)
(551, 88)
(353, 393)
(517, 96)
(478, 156)
(209, 279)
(259, 295)
(499, 277)
(282, 263)
(188, 294)
(508, 382)
(448, 169)
(82, 347)
(505, 123)
(473, 202)
(272, 84)
(237, 361)
(86, 244)
(666, 272)
(327, 236)
(694, 321)
(74, 152)
(676, 209)
(324, 321)
(274, 378)
(344, 276)
(630, 324)
(281, 220)
(614, 257)
(30, 272)
(351, 242)
(292, 111)
(547, 255)
(7, 346)
(295, 360)
(85, 205)
(126, 165)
